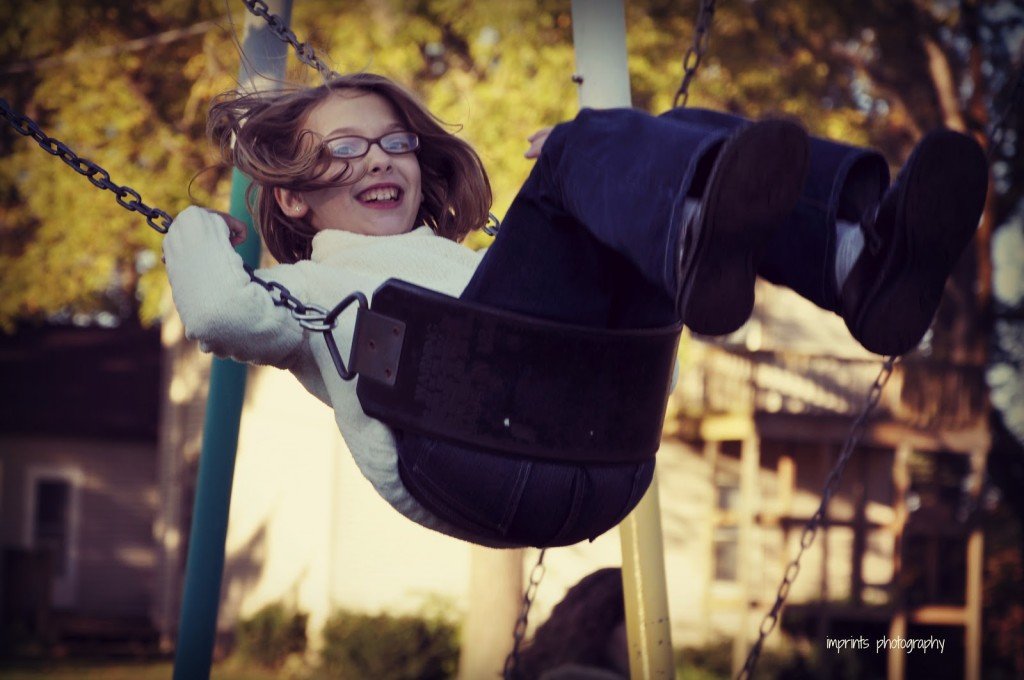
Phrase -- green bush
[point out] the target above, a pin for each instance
(713, 661)
(386, 647)
(271, 635)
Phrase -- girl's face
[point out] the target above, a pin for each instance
(386, 196)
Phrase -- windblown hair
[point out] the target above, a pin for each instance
(263, 135)
(578, 630)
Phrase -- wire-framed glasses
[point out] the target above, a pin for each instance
(353, 146)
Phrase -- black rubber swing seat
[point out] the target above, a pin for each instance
(508, 383)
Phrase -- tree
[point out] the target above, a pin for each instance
(869, 72)
(65, 247)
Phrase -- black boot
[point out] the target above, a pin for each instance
(914, 238)
(755, 182)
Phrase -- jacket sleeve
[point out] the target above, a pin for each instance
(220, 306)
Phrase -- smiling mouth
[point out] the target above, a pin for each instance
(380, 196)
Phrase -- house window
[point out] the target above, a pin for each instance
(726, 536)
(51, 528)
(727, 543)
(728, 494)
(51, 525)
(937, 531)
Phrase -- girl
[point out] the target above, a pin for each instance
(627, 221)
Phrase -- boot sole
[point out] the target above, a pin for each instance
(756, 182)
(936, 218)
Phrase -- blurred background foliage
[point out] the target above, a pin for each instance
(127, 85)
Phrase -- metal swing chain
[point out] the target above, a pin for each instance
(810, 530)
(310, 317)
(691, 62)
(512, 660)
(317, 319)
(304, 51)
(695, 53)
(127, 197)
(314, 317)
(995, 135)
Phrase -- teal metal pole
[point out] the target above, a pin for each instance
(262, 55)
(204, 568)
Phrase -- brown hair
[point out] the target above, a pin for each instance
(262, 135)
(579, 627)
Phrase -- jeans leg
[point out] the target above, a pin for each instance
(622, 175)
(544, 264)
(591, 237)
(842, 182)
(705, 118)
(625, 175)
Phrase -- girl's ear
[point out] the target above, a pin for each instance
(290, 202)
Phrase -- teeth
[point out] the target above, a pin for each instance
(386, 194)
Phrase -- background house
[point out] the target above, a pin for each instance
(78, 482)
(106, 482)
(899, 552)
(98, 453)
(756, 423)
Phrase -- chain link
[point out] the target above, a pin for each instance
(810, 530)
(315, 318)
(126, 197)
(304, 51)
(493, 224)
(310, 317)
(536, 574)
(695, 53)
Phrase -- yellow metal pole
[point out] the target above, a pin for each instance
(643, 583)
(599, 38)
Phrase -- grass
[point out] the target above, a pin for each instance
(120, 670)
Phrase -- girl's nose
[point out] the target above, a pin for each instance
(377, 160)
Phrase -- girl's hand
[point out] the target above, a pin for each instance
(537, 140)
(238, 231)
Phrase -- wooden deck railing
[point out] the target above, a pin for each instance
(921, 392)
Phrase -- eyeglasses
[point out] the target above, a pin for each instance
(353, 146)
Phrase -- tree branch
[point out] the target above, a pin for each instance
(945, 87)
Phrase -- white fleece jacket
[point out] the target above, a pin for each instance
(233, 317)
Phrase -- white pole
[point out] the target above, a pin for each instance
(496, 582)
(495, 592)
(599, 36)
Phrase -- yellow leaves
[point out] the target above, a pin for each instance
(151, 287)
(802, 57)
(83, 241)
(499, 69)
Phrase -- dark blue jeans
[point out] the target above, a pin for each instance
(591, 239)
